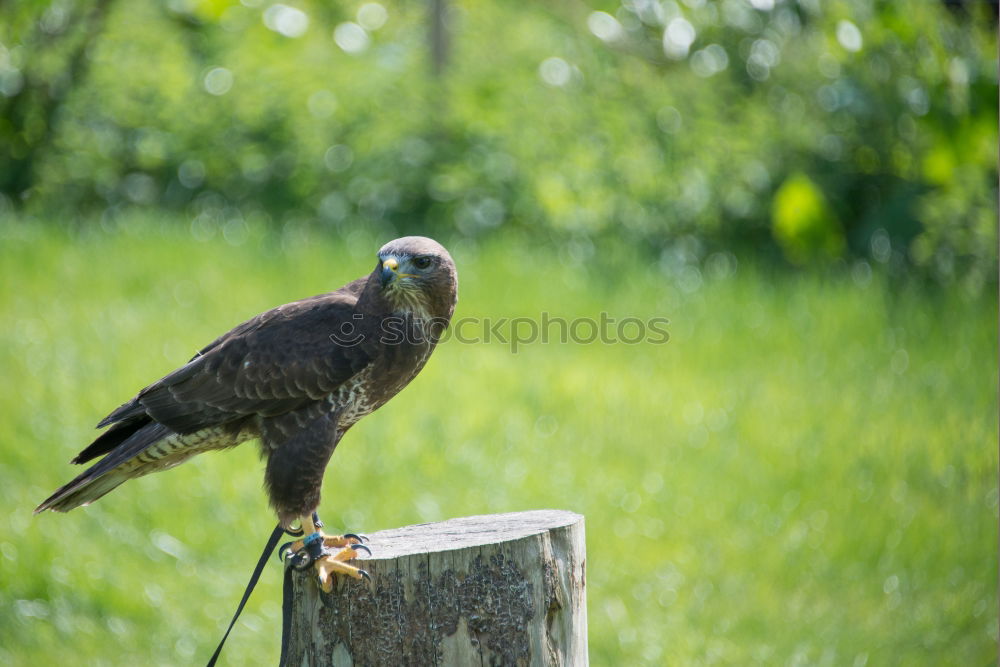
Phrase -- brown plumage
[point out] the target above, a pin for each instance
(296, 377)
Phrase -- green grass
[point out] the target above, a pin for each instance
(805, 473)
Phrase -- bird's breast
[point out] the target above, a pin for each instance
(353, 399)
(371, 388)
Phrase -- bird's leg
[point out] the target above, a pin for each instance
(312, 526)
(327, 553)
(338, 541)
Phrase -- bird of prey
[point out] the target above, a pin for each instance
(296, 378)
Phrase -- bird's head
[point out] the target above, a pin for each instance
(417, 275)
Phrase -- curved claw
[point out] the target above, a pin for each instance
(361, 546)
(359, 538)
(316, 520)
(283, 550)
(364, 575)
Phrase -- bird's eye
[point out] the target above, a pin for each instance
(421, 262)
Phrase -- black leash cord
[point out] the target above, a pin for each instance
(272, 542)
(286, 615)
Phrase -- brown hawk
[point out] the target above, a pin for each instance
(296, 378)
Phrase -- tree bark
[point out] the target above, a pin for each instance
(501, 589)
(439, 38)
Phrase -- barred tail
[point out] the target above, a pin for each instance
(105, 475)
(81, 491)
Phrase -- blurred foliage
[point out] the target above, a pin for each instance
(804, 225)
(669, 126)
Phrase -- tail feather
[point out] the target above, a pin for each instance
(102, 477)
(81, 492)
(111, 438)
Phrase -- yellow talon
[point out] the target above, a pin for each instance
(330, 564)
(327, 566)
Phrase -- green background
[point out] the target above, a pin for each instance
(804, 473)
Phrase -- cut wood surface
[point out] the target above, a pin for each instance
(498, 589)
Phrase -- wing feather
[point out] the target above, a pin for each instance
(275, 363)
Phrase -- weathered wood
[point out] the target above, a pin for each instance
(500, 589)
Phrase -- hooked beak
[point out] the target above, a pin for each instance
(389, 268)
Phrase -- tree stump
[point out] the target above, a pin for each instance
(500, 589)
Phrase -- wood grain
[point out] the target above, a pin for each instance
(499, 589)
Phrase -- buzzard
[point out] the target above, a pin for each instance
(296, 378)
